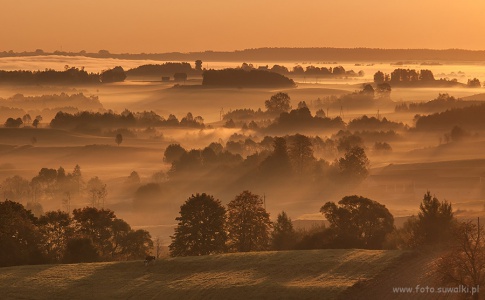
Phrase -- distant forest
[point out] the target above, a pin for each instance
(70, 75)
(285, 54)
(241, 78)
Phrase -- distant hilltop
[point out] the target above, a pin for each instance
(286, 54)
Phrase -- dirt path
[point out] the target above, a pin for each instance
(413, 270)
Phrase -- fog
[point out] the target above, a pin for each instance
(420, 160)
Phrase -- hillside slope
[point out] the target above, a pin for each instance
(314, 274)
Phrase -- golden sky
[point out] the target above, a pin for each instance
(197, 25)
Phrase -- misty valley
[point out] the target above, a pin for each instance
(114, 158)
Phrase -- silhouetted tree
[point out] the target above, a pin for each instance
(320, 113)
(457, 134)
(353, 167)
(13, 123)
(35, 123)
(301, 153)
(198, 65)
(248, 223)
(136, 244)
(435, 221)
(358, 222)
(19, 237)
(277, 163)
(278, 103)
(368, 90)
(283, 236)
(16, 188)
(173, 152)
(426, 75)
(119, 139)
(465, 263)
(134, 178)
(97, 192)
(56, 229)
(348, 141)
(116, 74)
(95, 224)
(473, 83)
(27, 119)
(230, 124)
(379, 77)
(384, 91)
(200, 229)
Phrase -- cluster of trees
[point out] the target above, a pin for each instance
(242, 78)
(411, 77)
(70, 75)
(117, 74)
(358, 222)
(25, 120)
(58, 185)
(290, 157)
(206, 227)
(468, 118)
(45, 106)
(165, 69)
(89, 235)
(301, 117)
(37, 103)
(474, 83)
(336, 72)
(441, 103)
(373, 123)
(90, 121)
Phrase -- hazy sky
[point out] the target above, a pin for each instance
(195, 25)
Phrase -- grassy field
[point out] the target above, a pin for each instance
(314, 274)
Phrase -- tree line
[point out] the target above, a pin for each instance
(411, 77)
(55, 185)
(335, 72)
(242, 78)
(88, 235)
(281, 54)
(206, 227)
(70, 75)
(95, 120)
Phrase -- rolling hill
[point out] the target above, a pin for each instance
(312, 274)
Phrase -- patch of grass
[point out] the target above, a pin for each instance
(314, 274)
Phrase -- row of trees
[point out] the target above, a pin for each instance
(89, 235)
(290, 156)
(241, 78)
(406, 77)
(55, 185)
(206, 227)
(70, 75)
(89, 120)
(26, 120)
(301, 118)
(337, 72)
(203, 228)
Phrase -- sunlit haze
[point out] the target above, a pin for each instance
(191, 25)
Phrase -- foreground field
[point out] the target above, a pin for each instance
(316, 274)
